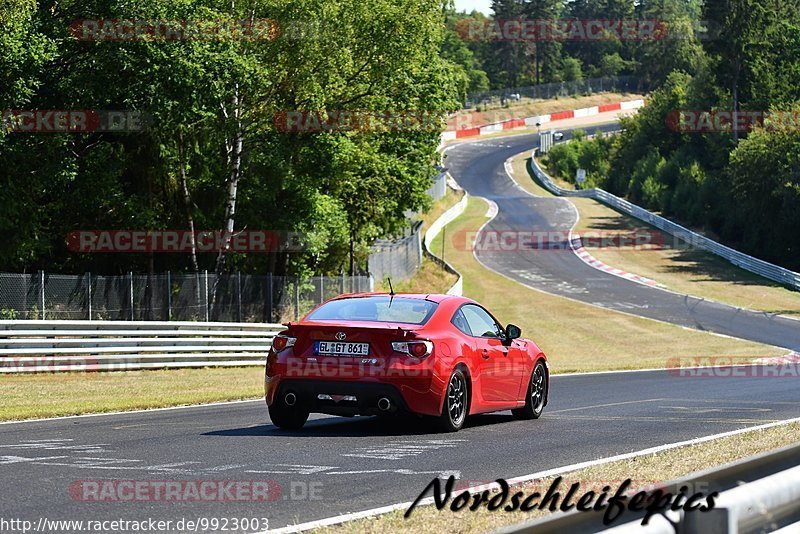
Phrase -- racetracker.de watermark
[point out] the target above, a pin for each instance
(174, 30)
(183, 241)
(735, 367)
(543, 30)
(72, 121)
(52, 364)
(541, 240)
(299, 121)
(720, 120)
(175, 491)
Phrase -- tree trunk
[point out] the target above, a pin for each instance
(736, 101)
(234, 149)
(187, 204)
(187, 199)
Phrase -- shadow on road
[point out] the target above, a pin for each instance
(362, 427)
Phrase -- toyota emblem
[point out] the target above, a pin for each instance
(340, 336)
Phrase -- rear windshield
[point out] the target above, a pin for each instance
(376, 309)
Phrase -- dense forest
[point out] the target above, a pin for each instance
(211, 156)
(685, 155)
(209, 152)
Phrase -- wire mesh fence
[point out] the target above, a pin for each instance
(202, 296)
(397, 259)
(622, 84)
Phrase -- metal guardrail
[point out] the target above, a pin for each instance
(757, 494)
(740, 259)
(64, 346)
(435, 229)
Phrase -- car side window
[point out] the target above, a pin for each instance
(480, 322)
(460, 322)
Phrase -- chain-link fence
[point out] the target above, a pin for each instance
(398, 259)
(439, 187)
(169, 297)
(619, 84)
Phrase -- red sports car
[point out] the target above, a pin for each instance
(378, 354)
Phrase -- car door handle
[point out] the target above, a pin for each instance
(485, 354)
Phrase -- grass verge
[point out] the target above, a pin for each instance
(644, 471)
(58, 394)
(579, 337)
(673, 264)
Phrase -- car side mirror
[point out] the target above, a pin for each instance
(513, 332)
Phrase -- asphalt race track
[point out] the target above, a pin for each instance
(478, 167)
(357, 464)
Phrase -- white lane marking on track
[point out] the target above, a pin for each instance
(440, 474)
(714, 409)
(112, 464)
(292, 469)
(668, 419)
(583, 408)
(336, 520)
(399, 450)
(493, 210)
(5, 460)
(60, 445)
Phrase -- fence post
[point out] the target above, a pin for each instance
(169, 295)
(297, 298)
(205, 293)
(341, 283)
(239, 295)
(269, 298)
(443, 242)
(41, 292)
(89, 293)
(130, 276)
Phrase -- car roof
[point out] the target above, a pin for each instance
(433, 297)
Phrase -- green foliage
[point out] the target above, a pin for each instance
(571, 70)
(204, 97)
(744, 188)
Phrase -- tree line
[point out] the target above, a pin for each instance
(212, 156)
(718, 145)
(497, 59)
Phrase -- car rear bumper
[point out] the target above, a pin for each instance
(367, 397)
(368, 394)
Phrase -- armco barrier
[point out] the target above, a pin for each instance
(758, 494)
(63, 346)
(446, 218)
(740, 259)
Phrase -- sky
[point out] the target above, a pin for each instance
(469, 5)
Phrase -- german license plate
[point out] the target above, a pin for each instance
(341, 348)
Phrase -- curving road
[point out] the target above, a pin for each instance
(337, 465)
(478, 167)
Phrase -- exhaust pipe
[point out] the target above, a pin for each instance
(384, 404)
(290, 399)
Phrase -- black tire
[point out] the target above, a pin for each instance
(456, 403)
(287, 417)
(536, 394)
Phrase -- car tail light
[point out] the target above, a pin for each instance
(281, 342)
(415, 349)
